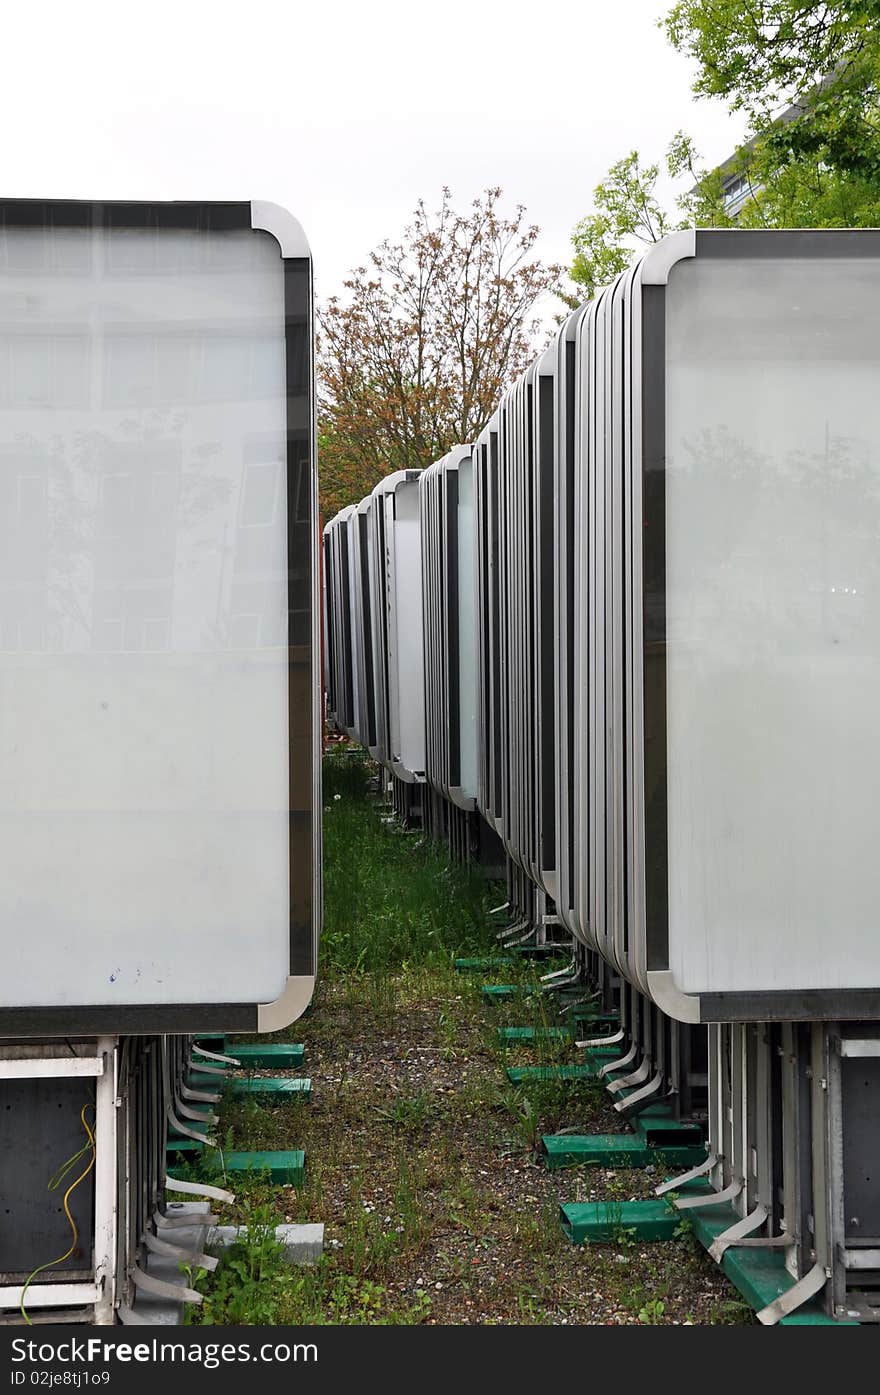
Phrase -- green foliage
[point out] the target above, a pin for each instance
(244, 1289)
(623, 1236)
(820, 65)
(818, 167)
(684, 1227)
(346, 773)
(652, 1311)
(409, 1113)
(524, 1114)
(824, 59)
(626, 206)
(256, 1285)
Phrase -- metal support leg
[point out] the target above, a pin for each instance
(106, 1183)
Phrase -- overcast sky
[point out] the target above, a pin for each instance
(345, 113)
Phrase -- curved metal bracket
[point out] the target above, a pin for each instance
(186, 1132)
(570, 970)
(162, 1288)
(593, 1042)
(673, 1184)
(199, 1189)
(215, 1056)
(626, 1082)
(187, 1220)
(200, 1096)
(179, 1252)
(788, 1302)
(626, 1060)
(707, 1199)
(634, 1102)
(744, 1226)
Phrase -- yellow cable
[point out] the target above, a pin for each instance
(55, 1182)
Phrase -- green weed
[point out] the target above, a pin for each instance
(409, 1113)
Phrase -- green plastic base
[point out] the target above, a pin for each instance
(268, 1053)
(183, 1149)
(662, 1132)
(759, 1275)
(615, 1150)
(522, 1075)
(500, 961)
(499, 991)
(197, 1125)
(599, 1056)
(282, 1165)
(270, 1090)
(527, 1036)
(209, 1084)
(594, 1222)
(585, 1012)
(657, 1137)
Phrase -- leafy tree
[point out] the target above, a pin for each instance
(431, 333)
(819, 166)
(626, 206)
(628, 213)
(821, 57)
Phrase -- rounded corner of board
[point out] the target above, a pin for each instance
(280, 223)
(292, 1003)
(665, 992)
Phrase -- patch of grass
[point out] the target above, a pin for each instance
(730, 1312)
(419, 1154)
(392, 898)
(255, 1285)
(523, 1112)
(623, 1236)
(409, 1113)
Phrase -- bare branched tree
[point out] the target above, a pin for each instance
(429, 335)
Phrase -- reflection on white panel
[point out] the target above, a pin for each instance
(410, 748)
(467, 625)
(143, 661)
(773, 623)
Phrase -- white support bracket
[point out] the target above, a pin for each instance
(626, 1082)
(707, 1199)
(626, 1060)
(215, 1056)
(593, 1042)
(199, 1189)
(673, 1184)
(744, 1226)
(793, 1298)
(186, 1132)
(162, 1221)
(183, 1253)
(161, 1288)
(645, 1092)
(567, 972)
